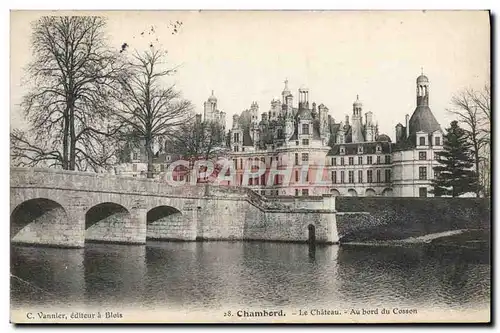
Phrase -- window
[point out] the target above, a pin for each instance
(369, 160)
(341, 161)
(250, 181)
(296, 158)
(242, 148)
(296, 192)
(236, 148)
(297, 142)
(342, 150)
(437, 141)
(436, 156)
(360, 176)
(360, 160)
(263, 180)
(305, 128)
(305, 142)
(422, 173)
(378, 159)
(280, 133)
(334, 177)
(360, 150)
(342, 177)
(241, 163)
(134, 167)
(421, 141)
(162, 167)
(422, 192)
(334, 161)
(379, 148)
(369, 176)
(388, 176)
(306, 175)
(236, 164)
(387, 159)
(437, 173)
(351, 160)
(296, 175)
(422, 155)
(379, 177)
(305, 191)
(305, 157)
(135, 156)
(236, 137)
(351, 176)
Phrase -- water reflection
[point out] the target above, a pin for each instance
(197, 275)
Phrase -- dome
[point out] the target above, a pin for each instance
(212, 98)
(286, 92)
(357, 102)
(383, 138)
(422, 79)
(423, 120)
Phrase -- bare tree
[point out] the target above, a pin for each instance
(197, 139)
(67, 106)
(472, 109)
(146, 106)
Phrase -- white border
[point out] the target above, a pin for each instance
(185, 4)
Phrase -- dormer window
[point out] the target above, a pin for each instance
(437, 141)
(379, 148)
(360, 150)
(421, 141)
(342, 150)
(305, 129)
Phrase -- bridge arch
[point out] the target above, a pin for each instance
(39, 221)
(352, 192)
(165, 222)
(107, 222)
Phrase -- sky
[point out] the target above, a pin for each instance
(245, 56)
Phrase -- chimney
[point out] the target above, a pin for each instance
(407, 124)
(347, 119)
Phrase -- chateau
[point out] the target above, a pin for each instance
(346, 158)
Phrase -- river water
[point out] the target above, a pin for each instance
(197, 275)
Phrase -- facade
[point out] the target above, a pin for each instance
(346, 158)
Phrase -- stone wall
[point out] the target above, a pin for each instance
(389, 218)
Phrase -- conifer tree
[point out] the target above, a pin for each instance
(455, 175)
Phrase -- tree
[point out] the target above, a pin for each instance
(197, 139)
(145, 106)
(472, 107)
(67, 106)
(454, 174)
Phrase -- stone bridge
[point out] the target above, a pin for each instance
(68, 208)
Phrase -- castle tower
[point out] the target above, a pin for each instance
(209, 108)
(303, 98)
(285, 92)
(357, 126)
(254, 125)
(422, 90)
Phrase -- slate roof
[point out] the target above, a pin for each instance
(368, 148)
